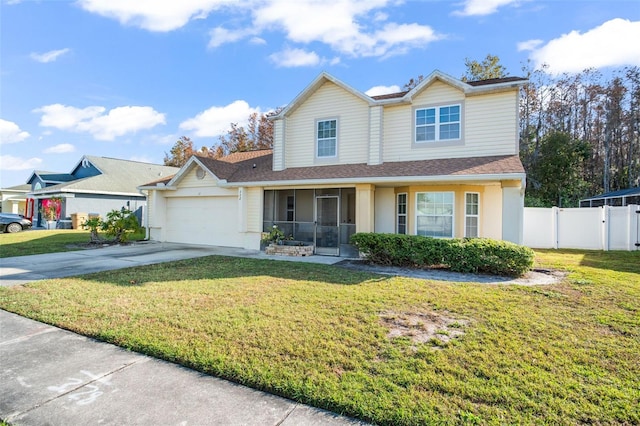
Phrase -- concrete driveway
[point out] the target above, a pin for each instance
(23, 269)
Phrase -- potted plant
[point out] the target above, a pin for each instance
(50, 211)
(275, 236)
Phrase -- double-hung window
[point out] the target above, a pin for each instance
(437, 124)
(401, 213)
(434, 214)
(327, 139)
(472, 214)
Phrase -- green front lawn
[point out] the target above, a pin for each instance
(47, 241)
(567, 353)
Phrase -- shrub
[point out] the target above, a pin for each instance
(119, 224)
(472, 255)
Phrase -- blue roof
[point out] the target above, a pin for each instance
(621, 193)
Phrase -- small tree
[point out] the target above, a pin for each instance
(119, 224)
(93, 224)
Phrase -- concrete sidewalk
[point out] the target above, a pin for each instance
(55, 377)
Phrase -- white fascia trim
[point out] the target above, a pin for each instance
(83, 191)
(398, 179)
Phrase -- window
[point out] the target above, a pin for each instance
(290, 208)
(401, 213)
(437, 124)
(472, 214)
(434, 214)
(327, 138)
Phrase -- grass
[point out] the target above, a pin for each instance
(46, 241)
(567, 353)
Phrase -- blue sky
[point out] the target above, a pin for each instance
(125, 79)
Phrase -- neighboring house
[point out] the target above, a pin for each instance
(95, 185)
(439, 160)
(623, 197)
(14, 199)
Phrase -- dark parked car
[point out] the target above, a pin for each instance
(10, 222)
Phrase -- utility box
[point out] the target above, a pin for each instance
(77, 219)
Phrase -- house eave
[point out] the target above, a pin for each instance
(384, 180)
(45, 193)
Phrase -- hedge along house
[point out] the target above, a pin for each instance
(439, 160)
(95, 185)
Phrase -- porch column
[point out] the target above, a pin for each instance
(242, 209)
(365, 199)
(512, 211)
(157, 215)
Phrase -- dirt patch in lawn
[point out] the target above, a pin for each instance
(430, 327)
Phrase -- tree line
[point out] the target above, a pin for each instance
(579, 133)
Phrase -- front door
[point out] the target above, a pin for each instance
(327, 236)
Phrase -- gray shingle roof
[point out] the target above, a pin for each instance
(121, 177)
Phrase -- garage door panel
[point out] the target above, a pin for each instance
(203, 220)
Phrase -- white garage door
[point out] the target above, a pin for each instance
(204, 221)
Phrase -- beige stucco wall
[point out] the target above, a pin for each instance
(491, 207)
(328, 102)
(13, 206)
(512, 212)
(365, 208)
(491, 212)
(385, 210)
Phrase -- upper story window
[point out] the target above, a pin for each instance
(327, 139)
(437, 123)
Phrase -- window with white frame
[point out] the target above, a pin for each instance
(327, 139)
(434, 214)
(472, 214)
(437, 124)
(401, 213)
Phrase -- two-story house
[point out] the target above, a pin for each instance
(439, 160)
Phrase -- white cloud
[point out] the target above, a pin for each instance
(483, 7)
(610, 44)
(342, 25)
(382, 90)
(219, 36)
(9, 162)
(117, 122)
(62, 148)
(10, 132)
(529, 45)
(153, 15)
(49, 56)
(350, 27)
(294, 58)
(215, 121)
(257, 41)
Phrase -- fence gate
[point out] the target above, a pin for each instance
(592, 228)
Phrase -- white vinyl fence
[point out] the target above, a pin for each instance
(594, 228)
